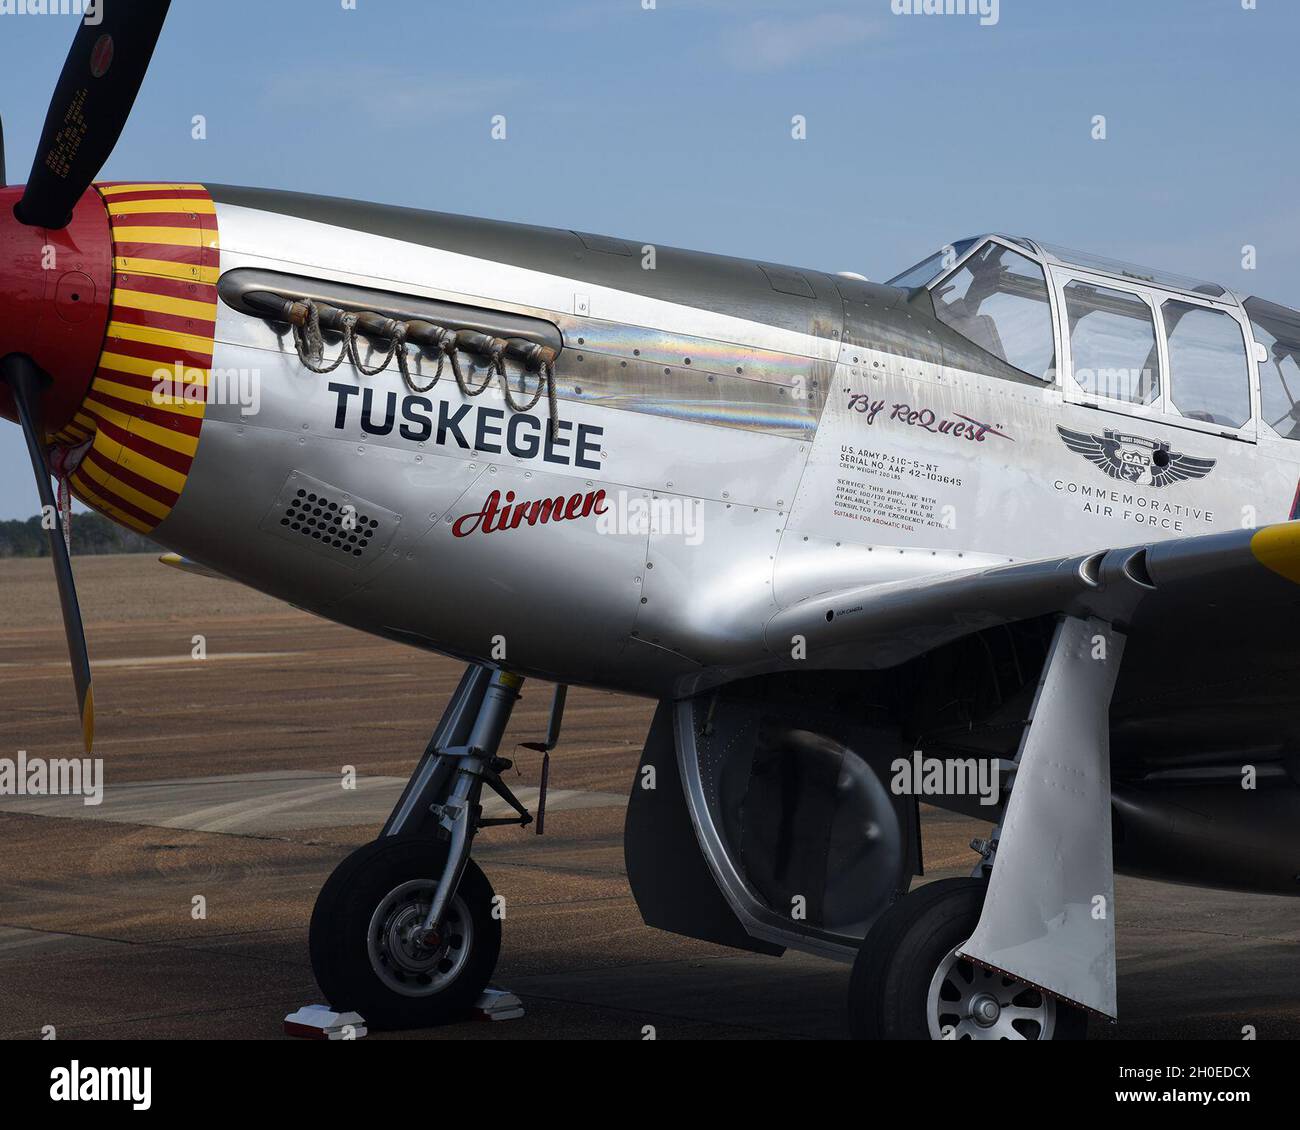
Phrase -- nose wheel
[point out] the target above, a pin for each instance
(370, 950)
(910, 983)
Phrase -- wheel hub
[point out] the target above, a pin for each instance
(968, 1002)
(425, 939)
(985, 1010)
(409, 959)
(408, 937)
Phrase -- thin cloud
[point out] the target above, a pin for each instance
(391, 99)
(777, 43)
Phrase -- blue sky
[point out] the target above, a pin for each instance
(673, 125)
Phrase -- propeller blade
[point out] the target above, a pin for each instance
(25, 380)
(100, 79)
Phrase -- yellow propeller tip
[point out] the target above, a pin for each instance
(88, 720)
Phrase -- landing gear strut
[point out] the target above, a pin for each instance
(406, 930)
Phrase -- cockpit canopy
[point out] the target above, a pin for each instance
(1277, 329)
(1150, 342)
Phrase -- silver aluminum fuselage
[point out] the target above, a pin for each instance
(858, 458)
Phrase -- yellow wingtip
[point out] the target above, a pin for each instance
(1278, 548)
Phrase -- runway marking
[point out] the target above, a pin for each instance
(21, 938)
(267, 803)
(162, 660)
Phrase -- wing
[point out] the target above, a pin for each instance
(1180, 468)
(1095, 449)
(1211, 655)
(1202, 587)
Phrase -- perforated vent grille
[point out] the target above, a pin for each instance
(330, 521)
(340, 526)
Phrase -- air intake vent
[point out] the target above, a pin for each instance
(318, 517)
(327, 519)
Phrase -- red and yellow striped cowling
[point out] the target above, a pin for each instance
(166, 261)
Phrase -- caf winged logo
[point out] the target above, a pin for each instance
(1135, 459)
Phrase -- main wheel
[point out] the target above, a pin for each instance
(364, 936)
(909, 984)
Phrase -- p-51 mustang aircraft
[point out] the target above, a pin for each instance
(1019, 508)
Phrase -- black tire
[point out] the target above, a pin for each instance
(890, 987)
(339, 936)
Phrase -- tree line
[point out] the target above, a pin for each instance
(91, 534)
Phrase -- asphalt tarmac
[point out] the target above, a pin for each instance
(223, 785)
